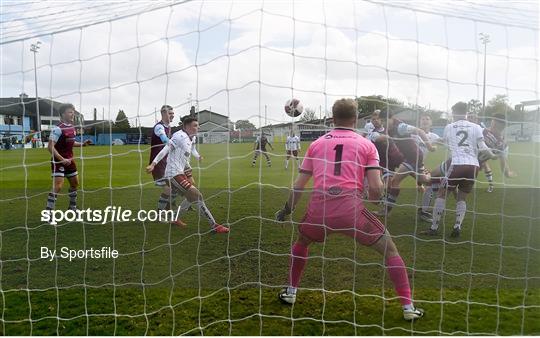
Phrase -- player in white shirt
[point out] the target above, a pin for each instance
(178, 172)
(292, 145)
(194, 151)
(425, 125)
(464, 140)
(161, 134)
(369, 127)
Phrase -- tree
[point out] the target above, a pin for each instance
(475, 107)
(368, 104)
(122, 121)
(499, 105)
(309, 115)
(244, 125)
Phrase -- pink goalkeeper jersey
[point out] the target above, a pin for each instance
(338, 160)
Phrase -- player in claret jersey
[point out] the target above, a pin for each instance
(494, 137)
(161, 133)
(389, 155)
(413, 163)
(260, 148)
(338, 161)
(61, 143)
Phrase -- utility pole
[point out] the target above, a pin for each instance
(34, 48)
(485, 40)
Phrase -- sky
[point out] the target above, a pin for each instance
(245, 59)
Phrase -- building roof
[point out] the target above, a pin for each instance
(297, 123)
(27, 106)
(531, 103)
(203, 126)
(211, 112)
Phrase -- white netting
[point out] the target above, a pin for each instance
(241, 61)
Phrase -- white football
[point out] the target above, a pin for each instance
(294, 107)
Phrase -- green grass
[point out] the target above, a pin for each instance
(172, 281)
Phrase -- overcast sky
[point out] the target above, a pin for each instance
(236, 57)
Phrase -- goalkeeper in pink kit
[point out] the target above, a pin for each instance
(338, 162)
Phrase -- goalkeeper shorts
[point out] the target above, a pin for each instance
(345, 215)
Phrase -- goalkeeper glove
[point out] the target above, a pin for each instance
(282, 213)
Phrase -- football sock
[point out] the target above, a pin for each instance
(51, 201)
(427, 198)
(489, 177)
(398, 275)
(438, 210)
(72, 198)
(163, 201)
(204, 212)
(391, 198)
(183, 208)
(393, 192)
(286, 164)
(291, 290)
(299, 253)
(461, 210)
(408, 307)
(173, 198)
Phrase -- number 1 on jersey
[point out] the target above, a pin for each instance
(339, 153)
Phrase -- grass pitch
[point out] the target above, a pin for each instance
(189, 281)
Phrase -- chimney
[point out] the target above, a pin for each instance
(95, 114)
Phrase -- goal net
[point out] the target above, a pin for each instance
(233, 65)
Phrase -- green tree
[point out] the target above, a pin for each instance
(244, 125)
(368, 104)
(308, 115)
(500, 105)
(475, 106)
(121, 121)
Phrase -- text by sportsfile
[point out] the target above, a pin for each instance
(71, 254)
(110, 214)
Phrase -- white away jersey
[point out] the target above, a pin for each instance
(369, 127)
(194, 151)
(180, 147)
(293, 143)
(463, 139)
(432, 138)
